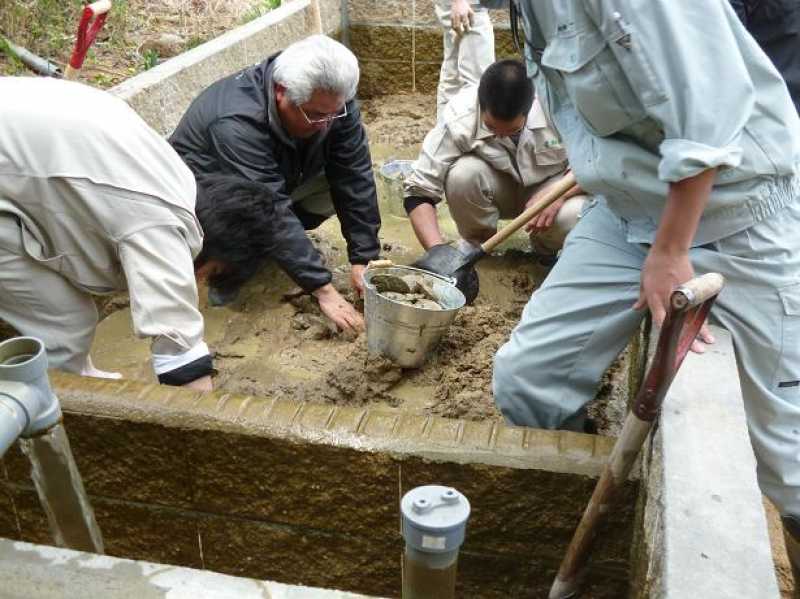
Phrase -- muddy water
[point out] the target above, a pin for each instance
(61, 491)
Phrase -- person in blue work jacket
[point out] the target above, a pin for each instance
(685, 132)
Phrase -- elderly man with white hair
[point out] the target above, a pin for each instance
(289, 127)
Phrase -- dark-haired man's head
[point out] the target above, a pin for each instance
(505, 96)
(236, 216)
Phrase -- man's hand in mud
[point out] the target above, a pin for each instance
(357, 278)
(338, 309)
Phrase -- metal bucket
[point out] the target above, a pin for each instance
(390, 183)
(407, 334)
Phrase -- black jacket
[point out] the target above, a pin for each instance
(226, 130)
(775, 25)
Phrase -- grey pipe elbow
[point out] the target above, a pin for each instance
(28, 405)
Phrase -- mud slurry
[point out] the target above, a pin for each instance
(273, 341)
(310, 361)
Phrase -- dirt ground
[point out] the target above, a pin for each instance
(272, 341)
(136, 36)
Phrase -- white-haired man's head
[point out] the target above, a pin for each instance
(316, 63)
(313, 80)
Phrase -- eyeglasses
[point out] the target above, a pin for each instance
(325, 119)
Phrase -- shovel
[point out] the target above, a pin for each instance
(445, 260)
(92, 19)
(689, 307)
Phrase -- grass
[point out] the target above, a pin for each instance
(15, 65)
(150, 59)
(48, 27)
(259, 10)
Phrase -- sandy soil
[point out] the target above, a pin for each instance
(783, 568)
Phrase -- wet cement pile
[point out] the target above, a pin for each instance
(455, 382)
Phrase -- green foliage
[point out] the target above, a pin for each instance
(150, 59)
(102, 80)
(260, 9)
(194, 41)
(15, 65)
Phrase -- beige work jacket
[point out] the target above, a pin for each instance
(538, 156)
(103, 200)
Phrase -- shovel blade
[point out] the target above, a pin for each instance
(448, 261)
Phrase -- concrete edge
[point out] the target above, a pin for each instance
(363, 429)
(704, 526)
(57, 573)
(169, 68)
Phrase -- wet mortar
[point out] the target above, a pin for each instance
(274, 342)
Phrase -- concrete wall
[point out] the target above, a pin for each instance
(399, 44)
(65, 574)
(308, 494)
(701, 525)
(162, 94)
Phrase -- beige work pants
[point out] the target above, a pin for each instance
(466, 55)
(478, 196)
(39, 302)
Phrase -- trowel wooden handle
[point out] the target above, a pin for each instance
(550, 196)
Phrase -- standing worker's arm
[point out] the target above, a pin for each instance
(461, 16)
(668, 58)
(667, 265)
(158, 267)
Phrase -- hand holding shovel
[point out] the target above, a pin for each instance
(689, 306)
(446, 260)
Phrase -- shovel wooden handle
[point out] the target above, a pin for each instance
(552, 194)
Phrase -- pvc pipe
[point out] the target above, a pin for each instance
(28, 405)
(434, 526)
(33, 61)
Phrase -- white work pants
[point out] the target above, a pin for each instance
(39, 302)
(479, 195)
(466, 55)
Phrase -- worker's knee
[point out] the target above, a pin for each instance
(470, 179)
(566, 219)
(570, 212)
(513, 379)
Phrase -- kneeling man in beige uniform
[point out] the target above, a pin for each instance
(491, 155)
(92, 200)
